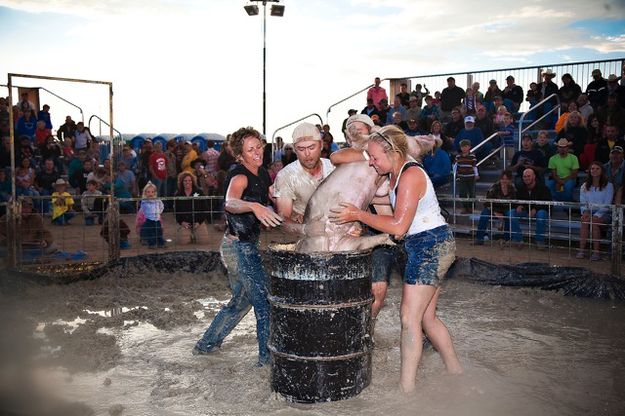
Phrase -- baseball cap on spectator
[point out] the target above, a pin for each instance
(612, 78)
(469, 119)
(465, 142)
(363, 118)
(617, 149)
(306, 131)
(60, 182)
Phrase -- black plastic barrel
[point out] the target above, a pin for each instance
(320, 337)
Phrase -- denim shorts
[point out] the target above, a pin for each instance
(430, 254)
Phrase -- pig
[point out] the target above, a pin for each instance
(356, 183)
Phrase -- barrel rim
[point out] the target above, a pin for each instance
(274, 248)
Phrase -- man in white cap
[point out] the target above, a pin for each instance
(296, 182)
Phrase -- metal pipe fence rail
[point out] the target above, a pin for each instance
(557, 229)
(79, 243)
(580, 71)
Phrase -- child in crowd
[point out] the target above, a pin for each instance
(543, 144)
(500, 116)
(533, 95)
(469, 102)
(152, 208)
(466, 172)
(62, 204)
(275, 167)
(506, 134)
(87, 202)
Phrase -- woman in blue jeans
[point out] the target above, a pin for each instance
(502, 189)
(247, 196)
(429, 244)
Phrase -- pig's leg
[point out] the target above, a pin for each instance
(364, 243)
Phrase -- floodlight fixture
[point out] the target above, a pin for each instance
(277, 10)
(251, 9)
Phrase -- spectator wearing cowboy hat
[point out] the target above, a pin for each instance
(62, 204)
(547, 88)
(564, 167)
(597, 90)
(616, 89)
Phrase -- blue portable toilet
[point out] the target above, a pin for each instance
(137, 141)
(202, 138)
(163, 138)
(183, 137)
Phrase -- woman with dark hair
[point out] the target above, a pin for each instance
(595, 191)
(190, 212)
(247, 196)
(569, 91)
(594, 129)
(502, 189)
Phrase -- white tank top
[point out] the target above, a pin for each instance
(428, 215)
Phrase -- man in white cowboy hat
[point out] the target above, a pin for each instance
(563, 166)
(296, 182)
(62, 204)
(547, 88)
(614, 88)
(597, 90)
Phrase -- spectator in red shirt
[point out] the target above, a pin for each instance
(158, 169)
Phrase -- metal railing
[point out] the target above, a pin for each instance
(581, 72)
(562, 224)
(539, 105)
(89, 241)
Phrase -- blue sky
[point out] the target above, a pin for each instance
(196, 66)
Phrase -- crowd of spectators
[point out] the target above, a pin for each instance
(467, 123)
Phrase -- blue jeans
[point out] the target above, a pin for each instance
(483, 224)
(63, 218)
(248, 284)
(513, 223)
(161, 186)
(152, 233)
(566, 194)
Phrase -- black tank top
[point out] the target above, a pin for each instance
(246, 226)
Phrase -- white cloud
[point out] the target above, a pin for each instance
(195, 65)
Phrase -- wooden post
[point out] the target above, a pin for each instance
(617, 240)
(14, 209)
(112, 216)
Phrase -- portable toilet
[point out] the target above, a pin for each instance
(183, 137)
(203, 138)
(163, 138)
(137, 141)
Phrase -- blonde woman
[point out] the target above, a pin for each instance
(427, 239)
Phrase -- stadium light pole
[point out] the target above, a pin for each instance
(276, 10)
